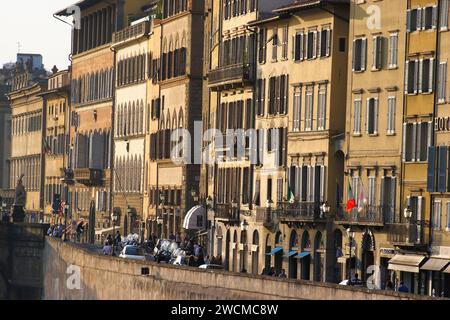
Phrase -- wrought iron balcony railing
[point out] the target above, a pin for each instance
(368, 215)
(300, 212)
(406, 234)
(132, 32)
(225, 211)
(88, 177)
(231, 76)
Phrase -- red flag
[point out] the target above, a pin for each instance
(351, 202)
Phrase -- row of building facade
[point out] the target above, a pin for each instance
(337, 99)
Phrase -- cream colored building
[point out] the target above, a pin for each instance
(374, 136)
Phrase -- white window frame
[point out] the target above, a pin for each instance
(375, 120)
(357, 116)
(391, 113)
(437, 214)
(393, 50)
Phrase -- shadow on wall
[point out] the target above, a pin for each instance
(21, 249)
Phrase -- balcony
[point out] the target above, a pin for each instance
(406, 234)
(266, 216)
(231, 76)
(368, 216)
(227, 212)
(89, 177)
(132, 32)
(300, 212)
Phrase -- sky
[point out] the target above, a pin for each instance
(31, 23)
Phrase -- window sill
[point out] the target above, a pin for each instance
(376, 70)
(358, 71)
(442, 102)
(391, 134)
(393, 67)
(372, 134)
(356, 135)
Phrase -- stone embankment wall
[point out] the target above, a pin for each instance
(114, 278)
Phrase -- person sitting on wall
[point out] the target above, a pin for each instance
(282, 274)
(403, 288)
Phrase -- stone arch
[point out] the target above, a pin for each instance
(180, 118)
(306, 241)
(293, 240)
(174, 120)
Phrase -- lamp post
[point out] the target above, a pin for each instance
(407, 213)
(66, 210)
(244, 227)
(129, 218)
(4, 209)
(325, 209)
(194, 195)
(210, 205)
(351, 235)
(114, 218)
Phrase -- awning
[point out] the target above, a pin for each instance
(406, 262)
(435, 264)
(290, 254)
(191, 221)
(274, 251)
(302, 255)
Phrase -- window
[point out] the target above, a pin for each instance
(359, 54)
(274, 44)
(421, 19)
(269, 189)
(357, 117)
(444, 16)
(309, 108)
(371, 191)
(447, 211)
(262, 45)
(393, 51)
(297, 108)
(392, 102)
(299, 46)
(411, 77)
(437, 212)
(257, 198)
(388, 197)
(279, 190)
(284, 53)
(416, 140)
(372, 116)
(426, 77)
(311, 45)
(377, 53)
(437, 174)
(260, 96)
(442, 82)
(322, 107)
(325, 43)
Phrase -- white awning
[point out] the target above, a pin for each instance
(406, 262)
(434, 264)
(191, 220)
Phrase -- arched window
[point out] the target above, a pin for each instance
(133, 118)
(164, 61)
(170, 60)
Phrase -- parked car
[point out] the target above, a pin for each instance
(132, 252)
(211, 266)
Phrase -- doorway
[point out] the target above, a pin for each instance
(255, 254)
(227, 251)
(368, 260)
(293, 245)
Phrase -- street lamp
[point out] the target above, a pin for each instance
(128, 217)
(325, 208)
(209, 202)
(407, 213)
(114, 219)
(351, 235)
(244, 225)
(66, 210)
(162, 198)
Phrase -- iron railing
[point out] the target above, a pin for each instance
(236, 73)
(300, 211)
(367, 215)
(226, 211)
(89, 177)
(410, 233)
(131, 32)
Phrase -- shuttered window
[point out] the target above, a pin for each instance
(284, 53)
(437, 213)
(359, 55)
(447, 213)
(392, 104)
(299, 47)
(371, 190)
(322, 107)
(431, 171)
(262, 45)
(393, 50)
(377, 52)
(442, 82)
(442, 168)
(297, 108)
(411, 77)
(309, 108)
(388, 198)
(357, 116)
(416, 140)
(444, 14)
(372, 116)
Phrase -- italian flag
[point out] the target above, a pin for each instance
(351, 202)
